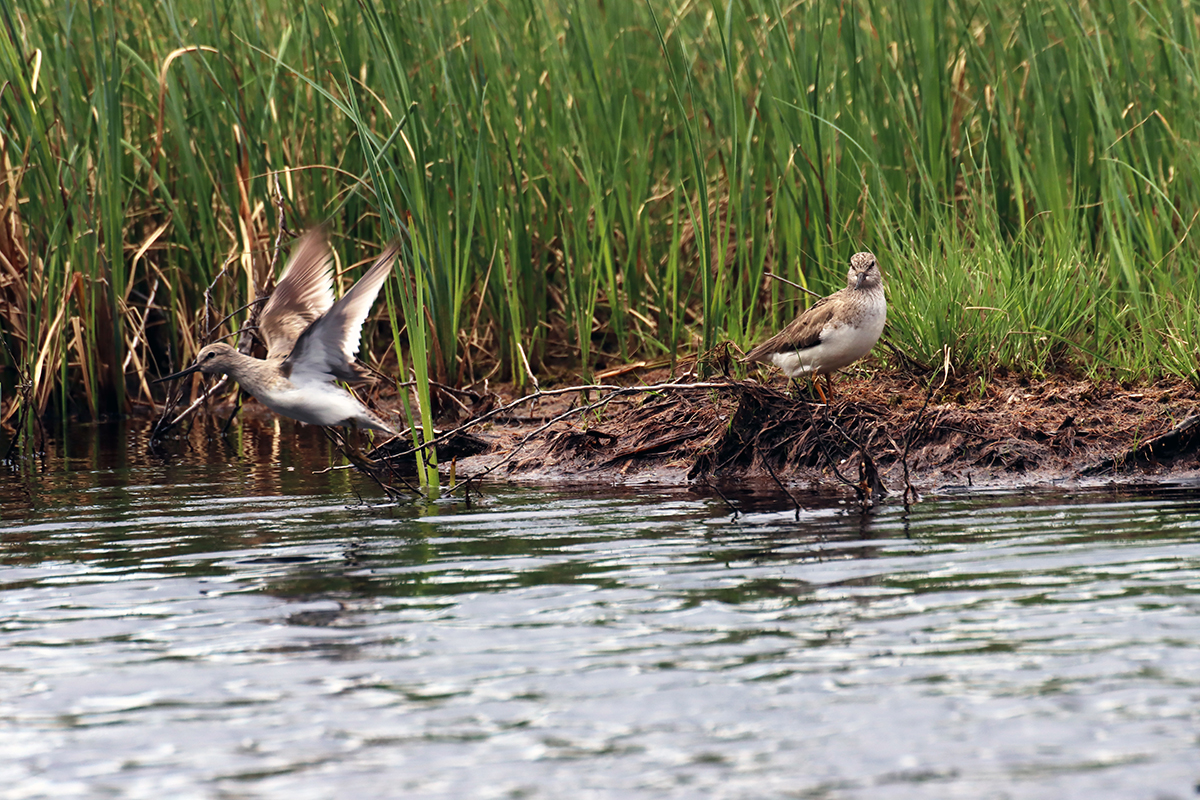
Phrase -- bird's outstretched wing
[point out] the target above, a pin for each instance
(329, 345)
(303, 294)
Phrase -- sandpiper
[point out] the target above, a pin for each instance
(311, 342)
(835, 332)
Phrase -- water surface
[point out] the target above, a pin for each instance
(219, 619)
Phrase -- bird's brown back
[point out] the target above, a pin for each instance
(802, 332)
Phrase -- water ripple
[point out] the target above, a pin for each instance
(187, 638)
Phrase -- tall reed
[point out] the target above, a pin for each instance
(583, 184)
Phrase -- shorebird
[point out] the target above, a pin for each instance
(311, 342)
(835, 332)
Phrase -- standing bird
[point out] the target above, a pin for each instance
(311, 342)
(835, 332)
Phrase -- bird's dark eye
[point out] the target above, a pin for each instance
(209, 356)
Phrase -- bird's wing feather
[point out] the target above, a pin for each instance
(329, 345)
(303, 294)
(803, 332)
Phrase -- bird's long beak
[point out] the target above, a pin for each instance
(858, 284)
(179, 374)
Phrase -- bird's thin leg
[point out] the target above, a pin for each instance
(817, 385)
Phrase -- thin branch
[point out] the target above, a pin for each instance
(162, 427)
(909, 489)
(793, 284)
(728, 502)
(360, 463)
(771, 471)
(525, 363)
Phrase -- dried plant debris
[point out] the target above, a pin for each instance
(1007, 433)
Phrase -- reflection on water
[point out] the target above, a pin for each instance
(220, 618)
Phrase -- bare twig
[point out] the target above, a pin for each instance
(793, 284)
(727, 501)
(208, 312)
(771, 471)
(237, 406)
(360, 463)
(824, 450)
(162, 427)
(525, 363)
(910, 492)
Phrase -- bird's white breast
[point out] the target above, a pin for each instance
(317, 403)
(842, 343)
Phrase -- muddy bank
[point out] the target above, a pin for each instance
(877, 434)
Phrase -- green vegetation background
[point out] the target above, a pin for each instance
(585, 183)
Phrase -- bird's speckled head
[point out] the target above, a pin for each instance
(864, 272)
(214, 359)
